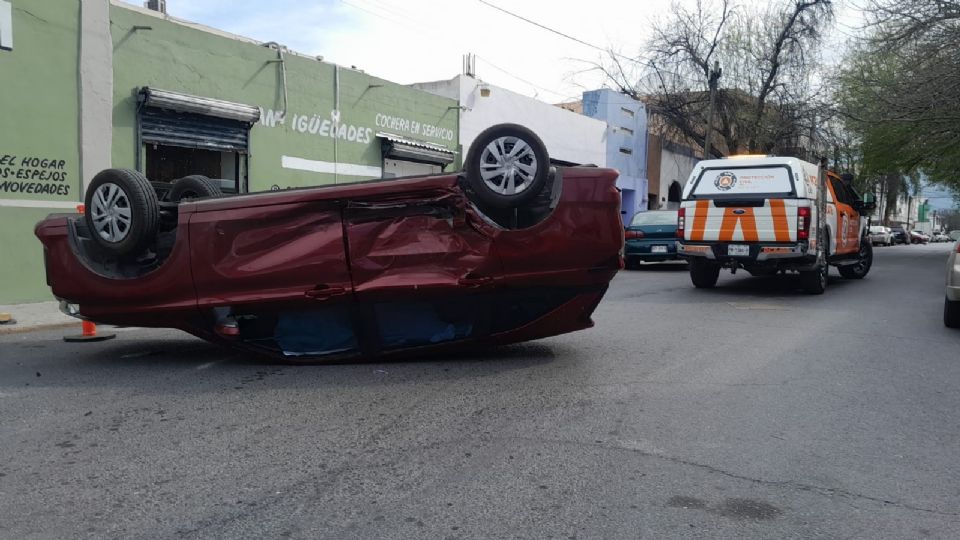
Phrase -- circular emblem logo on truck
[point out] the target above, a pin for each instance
(725, 181)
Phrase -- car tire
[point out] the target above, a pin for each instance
(815, 281)
(494, 150)
(859, 270)
(195, 186)
(951, 313)
(121, 211)
(704, 274)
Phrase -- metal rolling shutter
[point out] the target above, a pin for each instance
(177, 119)
(159, 126)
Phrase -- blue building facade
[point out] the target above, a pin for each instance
(626, 121)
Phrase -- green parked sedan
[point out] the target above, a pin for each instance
(651, 236)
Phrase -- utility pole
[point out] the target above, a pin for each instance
(713, 80)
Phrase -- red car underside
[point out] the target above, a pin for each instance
(359, 270)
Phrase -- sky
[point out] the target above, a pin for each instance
(409, 41)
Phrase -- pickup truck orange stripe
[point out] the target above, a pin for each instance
(700, 220)
(748, 224)
(781, 227)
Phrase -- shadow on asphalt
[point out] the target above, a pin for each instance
(668, 267)
(152, 362)
(780, 285)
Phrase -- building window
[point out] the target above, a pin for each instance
(626, 151)
(626, 130)
(627, 111)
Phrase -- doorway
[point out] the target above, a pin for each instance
(166, 163)
(673, 196)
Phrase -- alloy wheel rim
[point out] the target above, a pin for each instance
(110, 212)
(508, 165)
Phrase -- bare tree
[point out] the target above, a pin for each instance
(767, 95)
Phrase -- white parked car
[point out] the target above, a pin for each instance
(880, 235)
(951, 303)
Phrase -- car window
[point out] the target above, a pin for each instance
(743, 181)
(844, 194)
(654, 218)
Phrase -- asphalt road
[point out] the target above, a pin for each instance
(748, 411)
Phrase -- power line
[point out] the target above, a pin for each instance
(580, 41)
(498, 68)
(435, 33)
(547, 28)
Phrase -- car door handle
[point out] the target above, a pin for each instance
(321, 292)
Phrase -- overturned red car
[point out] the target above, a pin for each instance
(511, 249)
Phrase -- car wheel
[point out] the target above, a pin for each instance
(704, 274)
(859, 270)
(122, 211)
(951, 313)
(507, 166)
(194, 186)
(815, 281)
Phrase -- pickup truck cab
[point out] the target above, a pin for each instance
(763, 214)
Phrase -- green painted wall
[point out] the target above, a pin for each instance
(39, 151)
(181, 58)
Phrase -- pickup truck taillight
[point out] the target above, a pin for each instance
(633, 235)
(803, 223)
(681, 221)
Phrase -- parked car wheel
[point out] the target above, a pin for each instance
(815, 281)
(122, 212)
(951, 314)
(507, 166)
(704, 274)
(194, 186)
(859, 270)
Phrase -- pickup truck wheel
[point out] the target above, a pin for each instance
(815, 281)
(194, 186)
(704, 274)
(507, 166)
(122, 212)
(951, 313)
(859, 270)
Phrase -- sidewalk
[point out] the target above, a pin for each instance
(39, 316)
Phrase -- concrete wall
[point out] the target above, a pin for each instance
(199, 61)
(39, 150)
(568, 136)
(626, 149)
(676, 164)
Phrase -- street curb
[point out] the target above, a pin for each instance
(15, 329)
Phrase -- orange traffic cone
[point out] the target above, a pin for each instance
(88, 330)
(89, 333)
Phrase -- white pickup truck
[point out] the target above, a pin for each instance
(764, 214)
